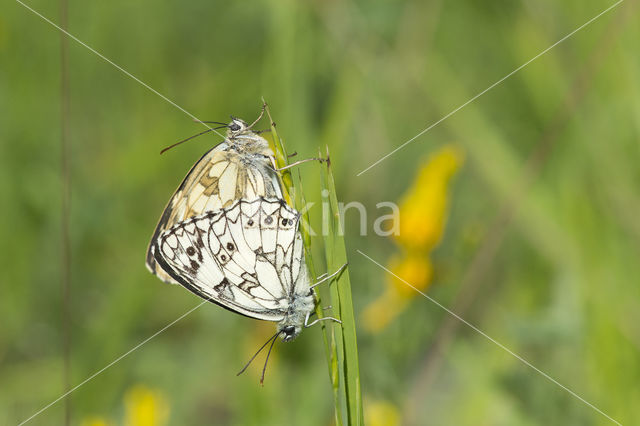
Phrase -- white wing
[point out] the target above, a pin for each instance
(246, 258)
(222, 176)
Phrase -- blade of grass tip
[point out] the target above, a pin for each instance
(337, 257)
(337, 362)
(281, 159)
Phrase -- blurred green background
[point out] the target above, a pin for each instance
(541, 249)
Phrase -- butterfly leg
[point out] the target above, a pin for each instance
(306, 160)
(308, 324)
(324, 308)
(326, 277)
(322, 276)
(264, 107)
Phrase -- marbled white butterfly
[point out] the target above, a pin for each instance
(248, 258)
(241, 167)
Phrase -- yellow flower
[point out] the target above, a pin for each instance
(423, 214)
(383, 310)
(145, 407)
(96, 421)
(381, 413)
(415, 269)
(423, 208)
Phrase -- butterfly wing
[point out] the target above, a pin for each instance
(240, 257)
(220, 177)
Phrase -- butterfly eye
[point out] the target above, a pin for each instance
(230, 246)
(289, 330)
(268, 220)
(237, 124)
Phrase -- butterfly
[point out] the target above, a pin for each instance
(241, 167)
(248, 258)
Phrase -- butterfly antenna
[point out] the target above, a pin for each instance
(259, 350)
(211, 122)
(190, 137)
(264, 369)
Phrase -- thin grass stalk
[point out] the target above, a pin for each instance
(336, 335)
(336, 255)
(296, 198)
(65, 258)
(329, 340)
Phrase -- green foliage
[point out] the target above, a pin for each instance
(299, 200)
(336, 255)
(341, 346)
(557, 285)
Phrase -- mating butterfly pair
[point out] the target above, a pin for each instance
(228, 236)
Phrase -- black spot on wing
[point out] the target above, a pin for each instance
(222, 286)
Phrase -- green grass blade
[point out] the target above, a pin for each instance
(329, 342)
(336, 255)
(281, 159)
(297, 199)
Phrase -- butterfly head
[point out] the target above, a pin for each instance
(241, 136)
(289, 332)
(237, 127)
(291, 326)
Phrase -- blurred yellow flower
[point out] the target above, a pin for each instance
(423, 209)
(145, 407)
(96, 421)
(379, 313)
(423, 215)
(381, 413)
(415, 269)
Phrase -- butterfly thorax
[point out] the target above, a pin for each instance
(245, 141)
(299, 311)
(251, 144)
